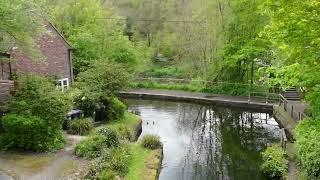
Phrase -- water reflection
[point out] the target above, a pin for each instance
(203, 142)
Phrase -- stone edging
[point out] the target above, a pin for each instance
(200, 100)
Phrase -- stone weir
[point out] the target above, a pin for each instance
(202, 98)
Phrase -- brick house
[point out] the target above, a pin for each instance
(55, 59)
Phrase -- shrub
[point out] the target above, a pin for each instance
(275, 163)
(115, 109)
(91, 147)
(29, 133)
(308, 145)
(98, 84)
(80, 126)
(38, 96)
(37, 105)
(125, 132)
(114, 159)
(151, 142)
(110, 135)
(107, 175)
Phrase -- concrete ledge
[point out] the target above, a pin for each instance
(219, 101)
(285, 121)
(136, 131)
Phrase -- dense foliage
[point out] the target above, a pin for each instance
(93, 146)
(93, 35)
(151, 141)
(19, 24)
(115, 109)
(98, 86)
(308, 145)
(80, 126)
(275, 163)
(41, 108)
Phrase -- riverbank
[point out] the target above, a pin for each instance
(144, 163)
(282, 117)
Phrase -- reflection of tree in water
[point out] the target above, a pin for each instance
(224, 143)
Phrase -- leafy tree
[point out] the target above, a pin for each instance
(20, 22)
(244, 47)
(294, 34)
(89, 27)
(99, 84)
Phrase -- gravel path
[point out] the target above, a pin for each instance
(60, 165)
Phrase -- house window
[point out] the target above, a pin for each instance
(63, 84)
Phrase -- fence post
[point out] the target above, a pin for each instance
(299, 116)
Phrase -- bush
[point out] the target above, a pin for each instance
(40, 109)
(115, 109)
(114, 159)
(110, 135)
(29, 133)
(80, 126)
(91, 147)
(308, 146)
(107, 175)
(98, 84)
(275, 163)
(151, 142)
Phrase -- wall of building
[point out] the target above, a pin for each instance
(54, 59)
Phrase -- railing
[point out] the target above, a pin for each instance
(297, 116)
(254, 92)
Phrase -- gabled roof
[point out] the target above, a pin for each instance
(60, 34)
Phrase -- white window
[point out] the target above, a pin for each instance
(63, 84)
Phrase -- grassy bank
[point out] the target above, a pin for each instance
(113, 152)
(127, 126)
(231, 89)
(137, 162)
(144, 163)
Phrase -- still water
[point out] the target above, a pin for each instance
(207, 142)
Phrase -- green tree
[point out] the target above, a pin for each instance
(20, 22)
(99, 84)
(94, 34)
(294, 34)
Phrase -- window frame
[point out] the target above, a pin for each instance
(61, 85)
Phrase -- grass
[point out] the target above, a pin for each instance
(137, 162)
(232, 89)
(129, 122)
(129, 119)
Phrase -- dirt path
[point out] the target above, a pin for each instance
(48, 166)
(293, 170)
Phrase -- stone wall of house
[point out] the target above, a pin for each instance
(6, 88)
(54, 58)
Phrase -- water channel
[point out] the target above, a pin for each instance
(207, 142)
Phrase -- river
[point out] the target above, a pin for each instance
(207, 142)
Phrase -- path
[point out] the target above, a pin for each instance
(232, 101)
(47, 166)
